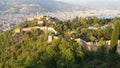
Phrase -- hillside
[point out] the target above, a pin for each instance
(36, 5)
(47, 42)
(12, 12)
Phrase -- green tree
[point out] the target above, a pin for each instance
(114, 38)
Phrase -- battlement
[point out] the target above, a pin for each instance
(45, 29)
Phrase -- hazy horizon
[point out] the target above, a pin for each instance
(114, 4)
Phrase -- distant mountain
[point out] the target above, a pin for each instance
(34, 5)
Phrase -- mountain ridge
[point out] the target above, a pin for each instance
(42, 5)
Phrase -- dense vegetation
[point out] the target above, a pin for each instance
(31, 50)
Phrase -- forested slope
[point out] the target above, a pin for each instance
(31, 49)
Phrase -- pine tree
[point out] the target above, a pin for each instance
(114, 38)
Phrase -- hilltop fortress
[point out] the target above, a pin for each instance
(40, 21)
(90, 46)
(45, 29)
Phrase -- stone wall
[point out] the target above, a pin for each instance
(93, 46)
(45, 29)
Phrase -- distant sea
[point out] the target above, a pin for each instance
(113, 16)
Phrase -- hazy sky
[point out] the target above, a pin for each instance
(95, 3)
(86, 1)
